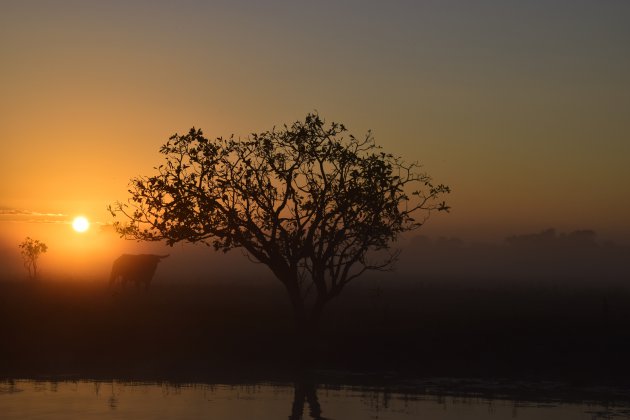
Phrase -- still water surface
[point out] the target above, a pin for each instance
(27, 399)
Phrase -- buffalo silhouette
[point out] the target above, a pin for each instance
(138, 269)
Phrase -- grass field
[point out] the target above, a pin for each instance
(199, 330)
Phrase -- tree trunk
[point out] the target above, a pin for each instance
(307, 334)
(308, 341)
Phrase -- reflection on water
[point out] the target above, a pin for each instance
(26, 399)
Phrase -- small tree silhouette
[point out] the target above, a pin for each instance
(308, 203)
(31, 249)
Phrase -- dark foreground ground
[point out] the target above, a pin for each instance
(219, 332)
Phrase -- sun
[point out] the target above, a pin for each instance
(80, 224)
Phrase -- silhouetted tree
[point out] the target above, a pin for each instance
(31, 249)
(303, 200)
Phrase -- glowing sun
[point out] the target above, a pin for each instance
(80, 224)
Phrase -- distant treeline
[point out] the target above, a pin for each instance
(576, 257)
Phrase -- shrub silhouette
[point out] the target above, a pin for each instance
(31, 249)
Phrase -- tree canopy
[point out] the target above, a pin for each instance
(307, 200)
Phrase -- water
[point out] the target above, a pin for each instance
(27, 399)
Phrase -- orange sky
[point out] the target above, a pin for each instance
(520, 106)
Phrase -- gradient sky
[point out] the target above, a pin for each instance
(522, 107)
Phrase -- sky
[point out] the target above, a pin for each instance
(521, 107)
